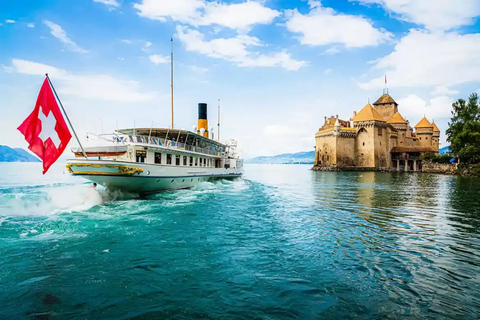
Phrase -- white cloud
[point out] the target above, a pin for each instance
(235, 50)
(443, 91)
(237, 15)
(9, 21)
(427, 59)
(127, 41)
(202, 13)
(31, 25)
(414, 107)
(323, 26)
(61, 35)
(112, 3)
(434, 15)
(159, 59)
(146, 46)
(332, 50)
(93, 86)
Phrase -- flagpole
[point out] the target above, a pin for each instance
(171, 76)
(66, 116)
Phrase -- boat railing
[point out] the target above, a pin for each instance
(166, 143)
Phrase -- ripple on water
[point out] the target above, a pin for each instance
(283, 243)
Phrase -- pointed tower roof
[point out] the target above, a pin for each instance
(424, 123)
(396, 118)
(385, 99)
(435, 128)
(368, 113)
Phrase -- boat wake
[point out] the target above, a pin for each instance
(49, 200)
(58, 198)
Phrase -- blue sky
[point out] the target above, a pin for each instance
(278, 66)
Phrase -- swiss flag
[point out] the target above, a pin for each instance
(45, 129)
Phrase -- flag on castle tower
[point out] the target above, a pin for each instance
(45, 129)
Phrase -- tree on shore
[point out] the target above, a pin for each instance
(464, 129)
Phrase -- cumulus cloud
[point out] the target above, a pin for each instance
(58, 32)
(203, 13)
(112, 3)
(434, 15)
(31, 25)
(422, 58)
(9, 21)
(414, 107)
(159, 59)
(93, 86)
(323, 26)
(235, 50)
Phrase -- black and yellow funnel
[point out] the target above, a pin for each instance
(202, 120)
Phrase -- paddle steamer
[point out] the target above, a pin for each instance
(147, 160)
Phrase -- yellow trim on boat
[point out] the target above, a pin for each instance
(122, 170)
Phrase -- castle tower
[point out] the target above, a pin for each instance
(436, 137)
(371, 141)
(401, 125)
(386, 106)
(424, 133)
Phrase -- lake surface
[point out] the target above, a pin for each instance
(282, 243)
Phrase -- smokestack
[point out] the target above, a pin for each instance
(202, 120)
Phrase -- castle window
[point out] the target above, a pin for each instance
(420, 138)
(380, 131)
(380, 142)
(364, 143)
(426, 138)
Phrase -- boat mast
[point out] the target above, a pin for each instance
(218, 122)
(171, 75)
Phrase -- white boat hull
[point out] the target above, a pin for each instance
(146, 178)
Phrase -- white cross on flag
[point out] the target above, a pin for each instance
(45, 129)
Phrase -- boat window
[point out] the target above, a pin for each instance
(131, 138)
(191, 161)
(169, 159)
(184, 160)
(139, 139)
(140, 155)
(196, 162)
(177, 160)
(158, 157)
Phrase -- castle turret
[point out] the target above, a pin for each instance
(386, 106)
(436, 137)
(371, 141)
(336, 128)
(424, 133)
(401, 125)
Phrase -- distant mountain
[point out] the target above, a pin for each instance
(8, 154)
(306, 157)
(445, 150)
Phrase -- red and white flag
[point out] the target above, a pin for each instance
(45, 129)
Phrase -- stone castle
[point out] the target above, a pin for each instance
(376, 138)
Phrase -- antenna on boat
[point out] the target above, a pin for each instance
(218, 122)
(171, 75)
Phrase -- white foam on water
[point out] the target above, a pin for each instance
(51, 200)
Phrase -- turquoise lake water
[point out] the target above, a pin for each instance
(282, 243)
